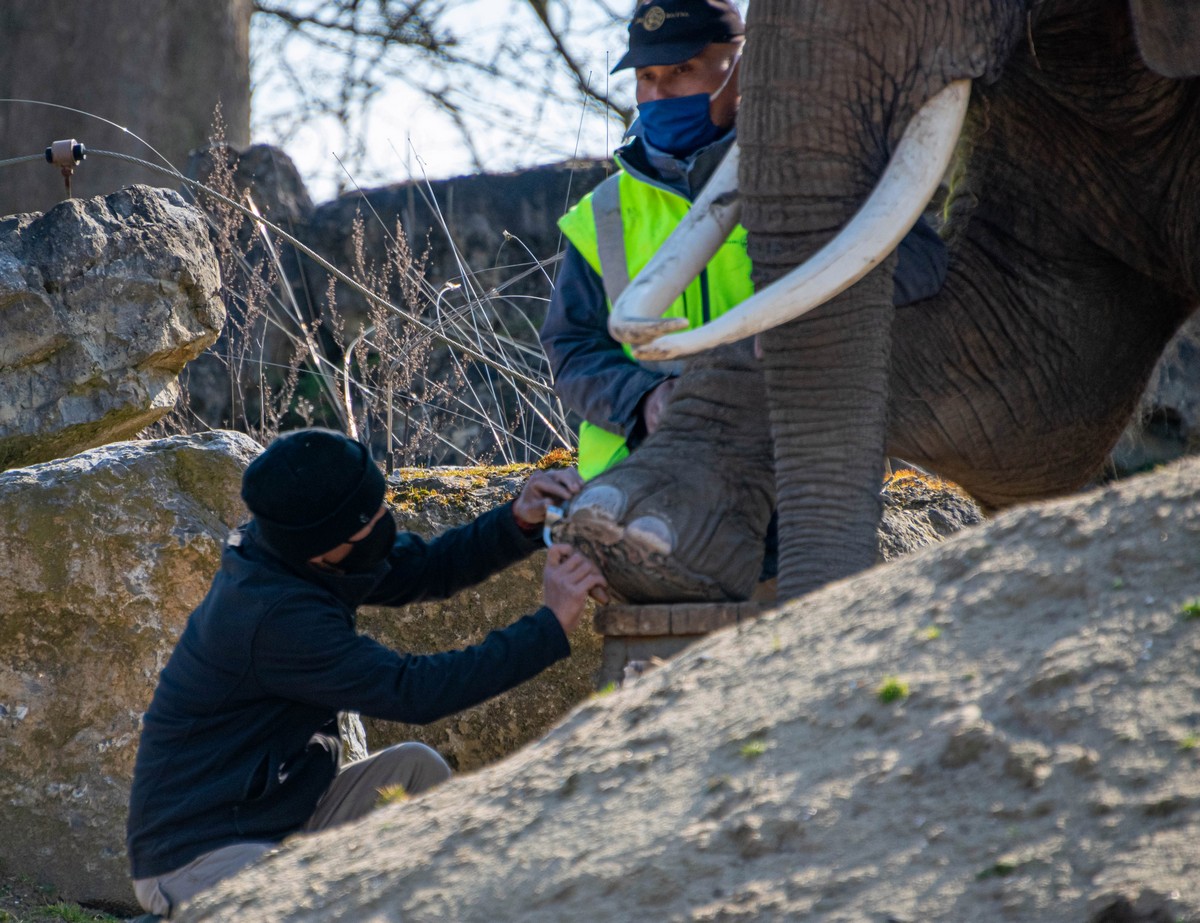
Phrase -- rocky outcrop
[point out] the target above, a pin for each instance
(102, 302)
(103, 557)
(1000, 727)
(921, 510)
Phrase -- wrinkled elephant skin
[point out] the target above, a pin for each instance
(685, 516)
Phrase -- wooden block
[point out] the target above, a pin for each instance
(618, 652)
(661, 630)
(632, 621)
(700, 620)
(677, 619)
(749, 611)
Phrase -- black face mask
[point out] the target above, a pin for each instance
(372, 548)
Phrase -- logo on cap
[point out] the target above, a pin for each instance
(654, 18)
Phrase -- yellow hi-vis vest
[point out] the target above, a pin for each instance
(617, 228)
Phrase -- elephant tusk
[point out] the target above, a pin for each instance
(637, 315)
(907, 185)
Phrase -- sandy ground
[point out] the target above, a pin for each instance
(1000, 728)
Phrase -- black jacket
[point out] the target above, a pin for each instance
(592, 373)
(240, 740)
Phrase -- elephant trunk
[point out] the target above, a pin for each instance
(810, 158)
(827, 386)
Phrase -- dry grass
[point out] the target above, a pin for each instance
(452, 374)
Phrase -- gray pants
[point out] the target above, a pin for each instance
(354, 793)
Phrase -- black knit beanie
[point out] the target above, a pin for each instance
(310, 490)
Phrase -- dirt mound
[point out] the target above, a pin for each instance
(1002, 727)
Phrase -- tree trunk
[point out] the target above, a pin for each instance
(156, 67)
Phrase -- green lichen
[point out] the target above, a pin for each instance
(411, 491)
(414, 499)
(212, 478)
(558, 458)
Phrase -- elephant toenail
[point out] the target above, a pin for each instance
(652, 533)
(604, 499)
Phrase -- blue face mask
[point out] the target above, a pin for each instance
(682, 125)
(679, 125)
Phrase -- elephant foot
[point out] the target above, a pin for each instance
(684, 517)
(636, 556)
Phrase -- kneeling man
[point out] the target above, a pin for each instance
(240, 746)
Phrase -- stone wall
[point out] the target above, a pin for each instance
(152, 69)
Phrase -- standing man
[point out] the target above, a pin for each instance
(240, 747)
(685, 56)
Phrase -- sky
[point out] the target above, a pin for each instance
(407, 136)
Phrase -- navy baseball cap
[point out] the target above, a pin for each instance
(672, 31)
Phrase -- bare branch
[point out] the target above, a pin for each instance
(582, 80)
(339, 56)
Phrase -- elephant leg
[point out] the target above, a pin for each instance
(685, 516)
(1016, 383)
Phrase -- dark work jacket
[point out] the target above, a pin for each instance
(240, 740)
(592, 373)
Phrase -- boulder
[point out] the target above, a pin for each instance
(921, 510)
(102, 302)
(267, 173)
(1166, 425)
(1000, 727)
(104, 555)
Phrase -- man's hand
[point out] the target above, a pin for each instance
(655, 403)
(568, 581)
(543, 489)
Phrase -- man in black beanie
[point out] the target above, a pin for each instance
(240, 746)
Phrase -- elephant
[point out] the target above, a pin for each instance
(1060, 143)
